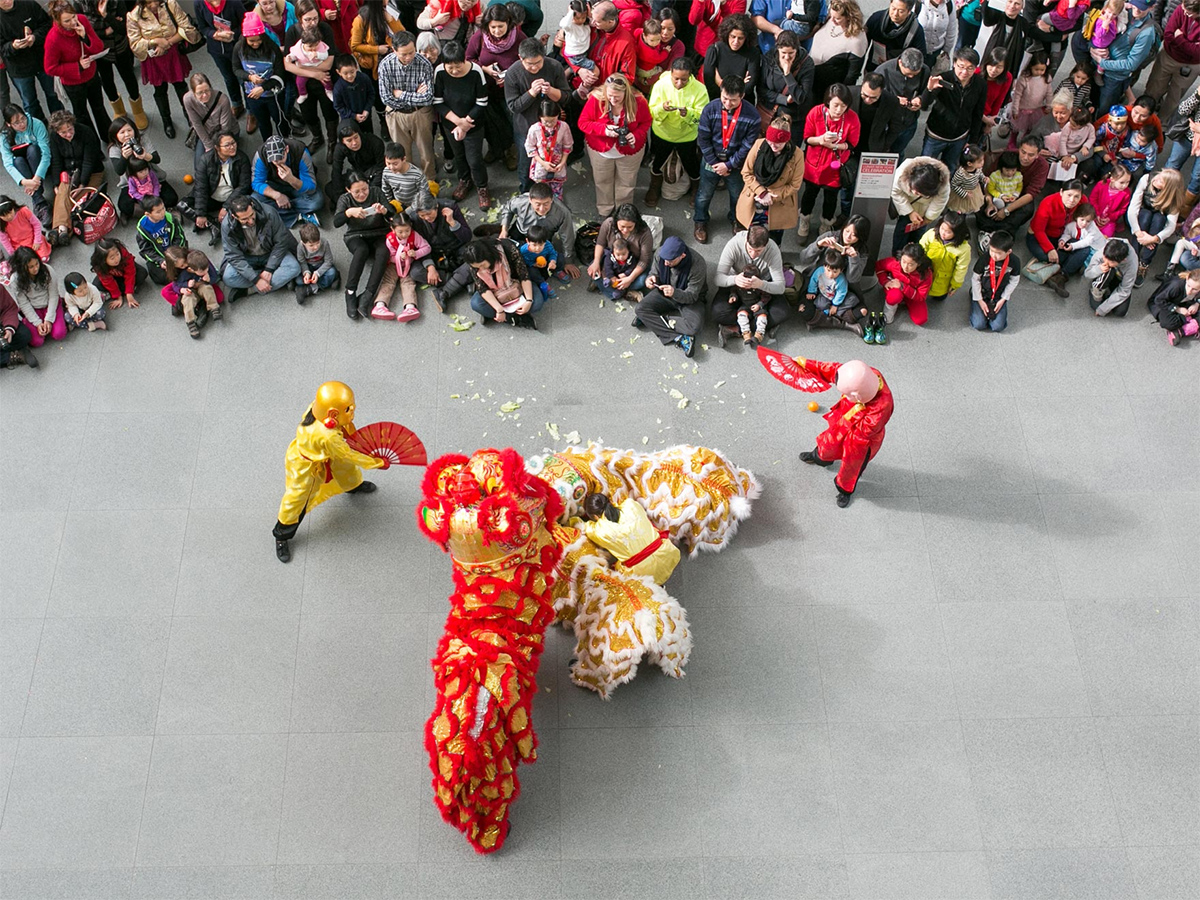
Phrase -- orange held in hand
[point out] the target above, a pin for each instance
(813, 406)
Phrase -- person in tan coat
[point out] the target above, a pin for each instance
(772, 176)
(156, 29)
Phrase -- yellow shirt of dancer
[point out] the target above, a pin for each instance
(319, 465)
(629, 536)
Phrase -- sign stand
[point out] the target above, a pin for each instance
(873, 193)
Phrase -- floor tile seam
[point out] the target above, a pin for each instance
(137, 844)
(287, 755)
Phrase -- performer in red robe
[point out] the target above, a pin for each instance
(856, 422)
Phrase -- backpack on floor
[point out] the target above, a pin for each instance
(585, 240)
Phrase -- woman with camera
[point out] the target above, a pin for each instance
(125, 144)
(615, 122)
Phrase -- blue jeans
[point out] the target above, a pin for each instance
(980, 322)
(903, 138)
(612, 293)
(1111, 92)
(484, 309)
(949, 152)
(708, 186)
(1071, 262)
(233, 88)
(1189, 261)
(288, 269)
(327, 278)
(304, 202)
(27, 88)
(1180, 153)
(267, 110)
(1152, 221)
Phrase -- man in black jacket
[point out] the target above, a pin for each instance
(905, 79)
(956, 113)
(23, 29)
(75, 160)
(876, 108)
(356, 151)
(223, 173)
(260, 252)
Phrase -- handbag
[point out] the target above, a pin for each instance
(192, 137)
(92, 214)
(185, 46)
(1040, 272)
(676, 182)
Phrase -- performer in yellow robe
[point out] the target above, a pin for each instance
(625, 531)
(319, 462)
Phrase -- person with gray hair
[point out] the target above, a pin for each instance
(907, 77)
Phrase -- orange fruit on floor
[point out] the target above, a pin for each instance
(188, 179)
(813, 406)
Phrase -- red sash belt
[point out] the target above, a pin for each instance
(328, 467)
(647, 551)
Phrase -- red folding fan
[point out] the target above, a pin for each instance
(787, 370)
(390, 441)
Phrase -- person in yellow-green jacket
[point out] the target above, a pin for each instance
(676, 102)
(625, 531)
(319, 462)
(948, 246)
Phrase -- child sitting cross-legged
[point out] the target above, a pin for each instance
(619, 262)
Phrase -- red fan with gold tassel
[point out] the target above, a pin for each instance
(390, 441)
(791, 373)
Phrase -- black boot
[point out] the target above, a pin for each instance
(366, 487)
(810, 457)
(843, 499)
(1168, 273)
(351, 305)
(283, 551)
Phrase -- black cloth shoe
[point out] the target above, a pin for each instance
(843, 499)
(301, 291)
(810, 457)
(169, 129)
(367, 487)
(283, 551)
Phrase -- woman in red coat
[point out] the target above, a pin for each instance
(71, 47)
(707, 16)
(615, 122)
(905, 278)
(856, 422)
(830, 132)
(340, 16)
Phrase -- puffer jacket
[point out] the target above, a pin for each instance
(907, 202)
(143, 30)
(951, 262)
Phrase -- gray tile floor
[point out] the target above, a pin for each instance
(980, 680)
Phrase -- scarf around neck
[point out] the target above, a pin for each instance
(769, 165)
(504, 44)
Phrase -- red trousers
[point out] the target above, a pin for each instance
(836, 443)
(917, 307)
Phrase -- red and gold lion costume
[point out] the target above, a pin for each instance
(517, 568)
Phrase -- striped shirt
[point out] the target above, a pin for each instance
(395, 76)
(403, 187)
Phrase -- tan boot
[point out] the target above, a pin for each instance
(802, 228)
(1189, 201)
(139, 115)
(118, 108)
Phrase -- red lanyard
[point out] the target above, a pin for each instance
(727, 125)
(992, 274)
